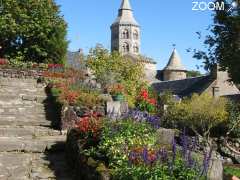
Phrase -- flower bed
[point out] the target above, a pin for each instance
(128, 149)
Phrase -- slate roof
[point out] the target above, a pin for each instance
(174, 63)
(184, 87)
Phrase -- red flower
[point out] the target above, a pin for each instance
(3, 61)
(152, 101)
(144, 94)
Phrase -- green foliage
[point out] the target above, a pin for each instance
(193, 74)
(233, 123)
(118, 137)
(111, 68)
(200, 113)
(117, 140)
(32, 31)
(234, 171)
(157, 172)
(223, 42)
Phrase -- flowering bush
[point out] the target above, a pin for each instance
(160, 163)
(116, 89)
(48, 74)
(130, 150)
(3, 62)
(53, 66)
(146, 102)
(141, 116)
(90, 125)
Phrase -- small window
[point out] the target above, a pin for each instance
(135, 35)
(125, 47)
(125, 34)
(135, 49)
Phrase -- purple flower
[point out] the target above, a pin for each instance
(174, 149)
(184, 143)
(190, 160)
(163, 155)
(145, 155)
(140, 116)
(206, 161)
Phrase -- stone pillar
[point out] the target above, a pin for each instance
(115, 109)
(215, 171)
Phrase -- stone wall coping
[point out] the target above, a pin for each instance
(21, 73)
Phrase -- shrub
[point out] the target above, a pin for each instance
(90, 125)
(131, 152)
(233, 123)
(111, 68)
(200, 113)
(146, 102)
(231, 170)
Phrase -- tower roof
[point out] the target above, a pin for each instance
(174, 62)
(125, 14)
(125, 5)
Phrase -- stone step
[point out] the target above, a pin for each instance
(35, 122)
(34, 145)
(24, 104)
(34, 166)
(23, 111)
(21, 131)
(23, 97)
(27, 117)
(16, 102)
(26, 80)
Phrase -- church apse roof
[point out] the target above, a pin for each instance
(175, 63)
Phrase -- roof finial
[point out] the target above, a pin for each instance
(174, 46)
(126, 5)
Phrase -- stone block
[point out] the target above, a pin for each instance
(116, 109)
(215, 171)
(165, 136)
(29, 98)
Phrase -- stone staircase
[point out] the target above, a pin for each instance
(30, 149)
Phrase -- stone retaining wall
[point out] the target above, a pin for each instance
(18, 73)
(83, 167)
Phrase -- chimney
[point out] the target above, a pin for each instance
(214, 71)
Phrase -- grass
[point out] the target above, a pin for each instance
(232, 170)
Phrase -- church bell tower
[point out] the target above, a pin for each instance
(125, 31)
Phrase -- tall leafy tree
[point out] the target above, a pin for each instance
(32, 30)
(224, 42)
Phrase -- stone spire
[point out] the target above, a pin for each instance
(125, 31)
(174, 69)
(126, 5)
(125, 14)
(174, 62)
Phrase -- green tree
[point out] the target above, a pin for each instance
(32, 30)
(111, 68)
(193, 74)
(224, 41)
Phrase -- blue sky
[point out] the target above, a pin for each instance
(162, 24)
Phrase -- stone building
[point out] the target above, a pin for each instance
(126, 39)
(216, 83)
(125, 31)
(174, 69)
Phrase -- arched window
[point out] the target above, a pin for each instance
(135, 34)
(125, 34)
(135, 48)
(125, 47)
